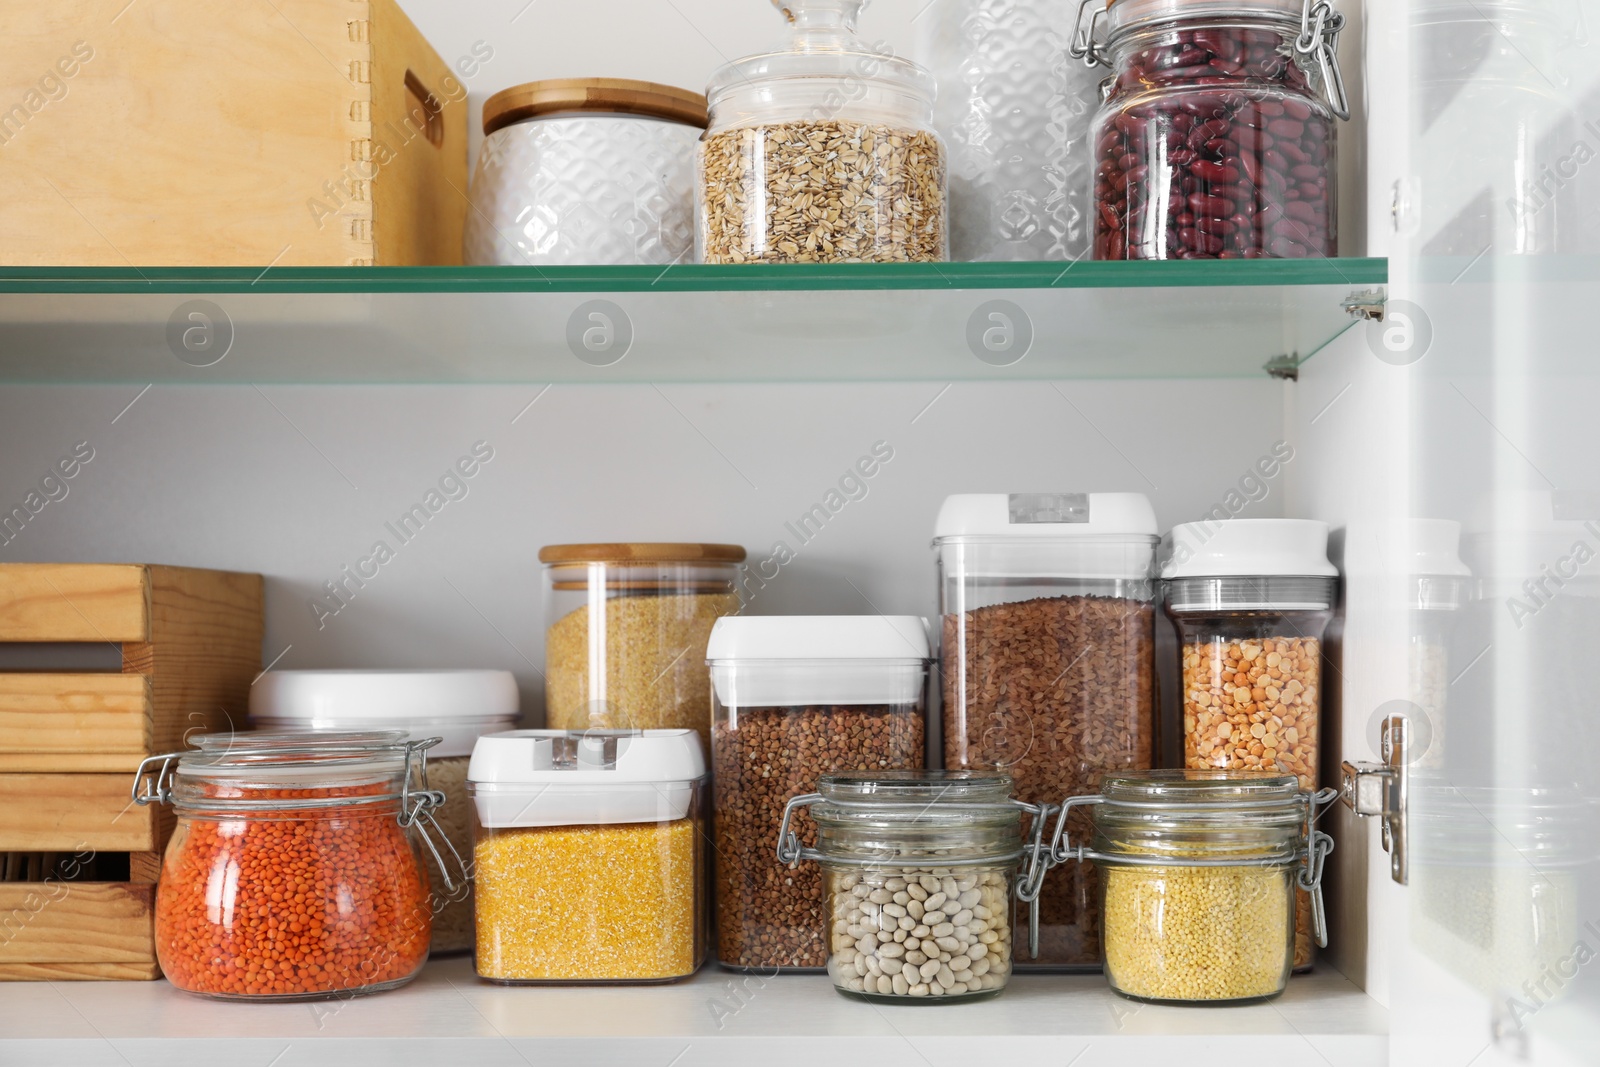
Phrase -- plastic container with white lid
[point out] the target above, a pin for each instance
(1251, 599)
(603, 830)
(795, 698)
(452, 705)
(1048, 663)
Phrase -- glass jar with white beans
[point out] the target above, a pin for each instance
(919, 868)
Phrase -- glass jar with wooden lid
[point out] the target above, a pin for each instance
(585, 170)
(626, 632)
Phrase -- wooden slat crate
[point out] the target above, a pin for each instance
(198, 133)
(69, 743)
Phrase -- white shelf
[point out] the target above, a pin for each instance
(448, 1017)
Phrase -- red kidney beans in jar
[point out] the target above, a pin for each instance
(1213, 141)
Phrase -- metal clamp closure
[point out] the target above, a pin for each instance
(158, 782)
(417, 807)
(1320, 26)
(1083, 45)
(1379, 790)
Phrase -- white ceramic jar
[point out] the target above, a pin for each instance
(585, 171)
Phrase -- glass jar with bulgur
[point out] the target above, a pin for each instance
(590, 855)
(1199, 871)
(294, 871)
(793, 698)
(627, 625)
(821, 151)
(1251, 599)
(1048, 663)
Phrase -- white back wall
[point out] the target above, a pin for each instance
(298, 482)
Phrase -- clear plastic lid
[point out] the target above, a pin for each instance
(821, 70)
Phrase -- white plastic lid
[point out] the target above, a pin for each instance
(789, 660)
(456, 705)
(589, 777)
(1047, 516)
(1248, 548)
(1406, 547)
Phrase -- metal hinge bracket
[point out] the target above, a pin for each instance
(1285, 367)
(1379, 790)
(1366, 304)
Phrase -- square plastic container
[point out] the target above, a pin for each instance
(590, 855)
(794, 698)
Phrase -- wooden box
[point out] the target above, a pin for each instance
(192, 132)
(190, 644)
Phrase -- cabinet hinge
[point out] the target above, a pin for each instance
(1379, 790)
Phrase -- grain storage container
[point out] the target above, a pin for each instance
(821, 151)
(793, 698)
(1047, 650)
(294, 871)
(625, 646)
(585, 170)
(933, 858)
(1198, 873)
(590, 855)
(454, 706)
(1251, 598)
(1216, 137)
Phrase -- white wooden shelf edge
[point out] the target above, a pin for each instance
(717, 1017)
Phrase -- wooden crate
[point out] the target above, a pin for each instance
(70, 742)
(191, 132)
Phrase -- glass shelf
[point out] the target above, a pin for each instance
(850, 322)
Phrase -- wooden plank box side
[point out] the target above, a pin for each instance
(77, 923)
(74, 601)
(73, 812)
(188, 132)
(203, 653)
(74, 722)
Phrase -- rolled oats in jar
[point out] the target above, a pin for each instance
(794, 698)
(1048, 663)
(1251, 598)
(821, 151)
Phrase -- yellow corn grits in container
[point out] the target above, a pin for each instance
(568, 903)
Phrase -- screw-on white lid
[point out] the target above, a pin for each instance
(454, 705)
(588, 777)
(1247, 548)
(789, 660)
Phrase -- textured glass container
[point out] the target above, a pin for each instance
(585, 171)
(1013, 109)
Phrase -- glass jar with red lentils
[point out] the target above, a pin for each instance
(1215, 138)
(294, 870)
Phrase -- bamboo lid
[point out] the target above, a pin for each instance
(642, 552)
(615, 95)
